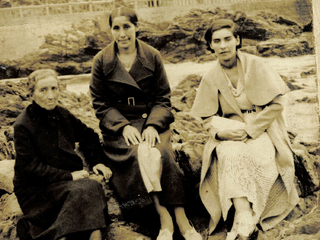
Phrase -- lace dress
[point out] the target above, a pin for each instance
(246, 169)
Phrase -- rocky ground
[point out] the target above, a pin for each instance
(188, 141)
(288, 44)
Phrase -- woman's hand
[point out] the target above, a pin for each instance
(150, 135)
(131, 134)
(234, 135)
(106, 172)
(79, 175)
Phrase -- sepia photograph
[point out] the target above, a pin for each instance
(159, 120)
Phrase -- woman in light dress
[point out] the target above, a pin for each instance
(248, 161)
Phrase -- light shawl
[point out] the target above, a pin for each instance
(261, 85)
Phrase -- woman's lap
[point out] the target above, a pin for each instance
(66, 207)
(124, 164)
(246, 170)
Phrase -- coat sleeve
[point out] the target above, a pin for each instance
(110, 118)
(265, 117)
(160, 115)
(89, 142)
(28, 161)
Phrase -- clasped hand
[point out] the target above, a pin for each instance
(106, 172)
(132, 136)
(233, 135)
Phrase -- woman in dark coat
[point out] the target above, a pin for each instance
(131, 97)
(54, 192)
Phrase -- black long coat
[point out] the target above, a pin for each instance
(141, 98)
(45, 157)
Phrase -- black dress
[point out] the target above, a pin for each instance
(141, 98)
(51, 201)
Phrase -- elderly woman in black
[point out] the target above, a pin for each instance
(131, 97)
(54, 192)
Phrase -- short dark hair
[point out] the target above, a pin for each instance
(219, 24)
(37, 75)
(124, 11)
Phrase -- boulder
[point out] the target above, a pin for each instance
(287, 47)
(180, 40)
(6, 175)
(188, 140)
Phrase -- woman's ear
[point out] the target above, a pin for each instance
(238, 40)
(137, 26)
(210, 44)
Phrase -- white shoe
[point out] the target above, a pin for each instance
(192, 234)
(165, 234)
(231, 235)
(243, 226)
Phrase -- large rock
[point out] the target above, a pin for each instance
(6, 175)
(188, 138)
(287, 47)
(180, 40)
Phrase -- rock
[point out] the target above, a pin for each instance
(180, 40)
(72, 38)
(188, 139)
(10, 214)
(10, 207)
(311, 71)
(6, 175)
(284, 47)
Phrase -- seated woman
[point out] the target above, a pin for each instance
(54, 192)
(131, 97)
(248, 161)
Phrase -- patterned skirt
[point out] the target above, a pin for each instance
(246, 169)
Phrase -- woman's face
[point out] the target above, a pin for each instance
(124, 32)
(46, 93)
(224, 44)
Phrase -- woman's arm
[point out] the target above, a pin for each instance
(160, 116)
(225, 129)
(110, 118)
(265, 118)
(29, 164)
(89, 142)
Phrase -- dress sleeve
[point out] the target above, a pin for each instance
(265, 117)
(89, 142)
(160, 115)
(28, 162)
(110, 118)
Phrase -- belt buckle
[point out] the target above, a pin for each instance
(131, 101)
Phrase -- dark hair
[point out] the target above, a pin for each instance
(219, 24)
(37, 75)
(124, 11)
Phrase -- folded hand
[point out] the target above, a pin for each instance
(131, 135)
(79, 174)
(233, 135)
(106, 172)
(151, 135)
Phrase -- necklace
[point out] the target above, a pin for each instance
(235, 91)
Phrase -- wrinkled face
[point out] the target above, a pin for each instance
(124, 32)
(46, 93)
(224, 44)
